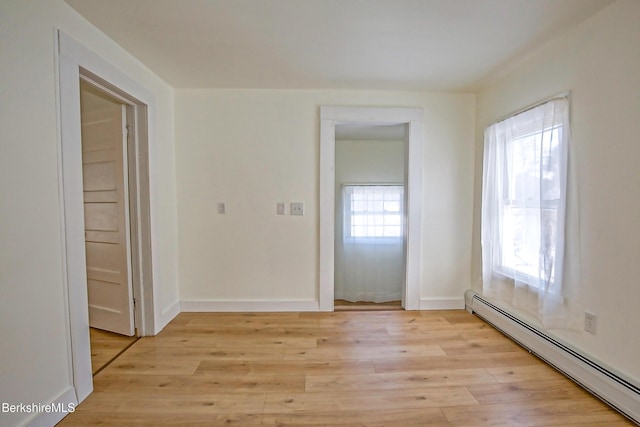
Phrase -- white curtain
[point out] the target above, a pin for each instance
(530, 250)
(370, 252)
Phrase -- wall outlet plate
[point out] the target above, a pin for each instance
(222, 209)
(296, 208)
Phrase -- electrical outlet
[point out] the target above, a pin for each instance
(222, 209)
(590, 322)
(280, 208)
(296, 208)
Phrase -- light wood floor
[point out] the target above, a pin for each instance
(105, 346)
(369, 368)
(342, 305)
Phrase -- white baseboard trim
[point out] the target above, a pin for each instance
(248, 306)
(441, 303)
(55, 411)
(612, 387)
(167, 316)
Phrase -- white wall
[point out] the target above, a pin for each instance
(253, 148)
(599, 61)
(33, 313)
(369, 161)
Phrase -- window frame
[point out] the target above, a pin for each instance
(556, 128)
(348, 214)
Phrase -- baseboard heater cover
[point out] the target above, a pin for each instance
(605, 383)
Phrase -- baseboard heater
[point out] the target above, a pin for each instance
(603, 382)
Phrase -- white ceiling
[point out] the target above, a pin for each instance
(424, 45)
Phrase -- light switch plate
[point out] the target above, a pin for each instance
(296, 208)
(590, 322)
(280, 208)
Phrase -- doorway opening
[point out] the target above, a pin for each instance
(105, 124)
(410, 123)
(369, 264)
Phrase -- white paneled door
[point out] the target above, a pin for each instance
(104, 165)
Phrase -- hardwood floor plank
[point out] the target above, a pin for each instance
(463, 346)
(392, 381)
(185, 341)
(131, 365)
(362, 352)
(455, 317)
(432, 417)
(527, 391)
(213, 354)
(466, 361)
(233, 332)
(178, 403)
(347, 367)
(433, 338)
(538, 372)
(364, 400)
(188, 384)
(548, 413)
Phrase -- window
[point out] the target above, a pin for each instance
(532, 193)
(373, 211)
(530, 215)
(523, 195)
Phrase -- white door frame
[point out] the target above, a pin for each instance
(413, 118)
(74, 62)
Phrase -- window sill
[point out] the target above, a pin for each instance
(513, 274)
(373, 240)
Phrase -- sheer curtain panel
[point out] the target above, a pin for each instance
(530, 252)
(370, 255)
